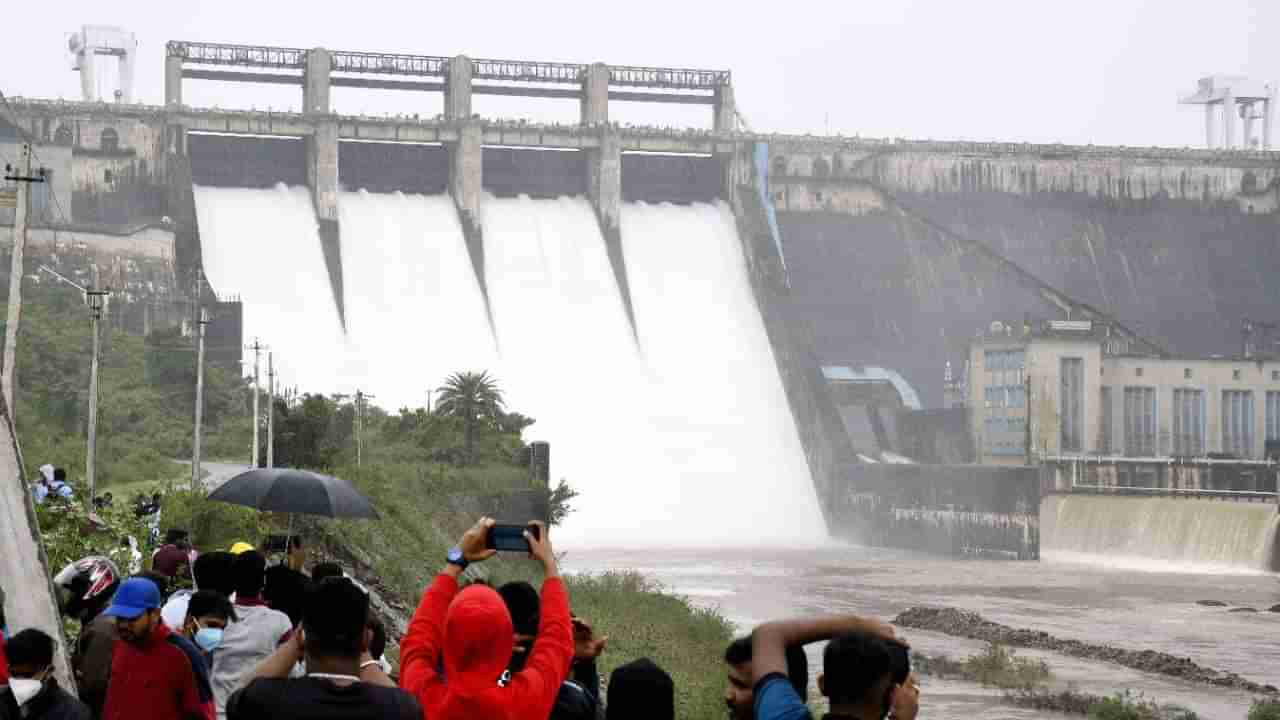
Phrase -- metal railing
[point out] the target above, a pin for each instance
(1132, 490)
(527, 71)
(390, 63)
(203, 53)
(668, 78)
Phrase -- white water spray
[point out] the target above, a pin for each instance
(683, 438)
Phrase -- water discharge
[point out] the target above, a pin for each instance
(680, 436)
(1160, 533)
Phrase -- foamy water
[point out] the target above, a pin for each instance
(682, 438)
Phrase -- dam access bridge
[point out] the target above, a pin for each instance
(886, 252)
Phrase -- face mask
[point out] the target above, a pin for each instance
(24, 689)
(209, 638)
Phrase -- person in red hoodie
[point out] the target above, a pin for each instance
(469, 635)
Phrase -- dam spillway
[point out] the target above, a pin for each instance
(653, 430)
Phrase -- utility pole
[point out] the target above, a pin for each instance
(359, 423)
(96, 299)
(201, 321)
(257, 354)
(271, 411)
(23, 178)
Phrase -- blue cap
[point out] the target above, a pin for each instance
(135, 596)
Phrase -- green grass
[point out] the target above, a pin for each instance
(643, 621)
(996, 666)
(1265, 710)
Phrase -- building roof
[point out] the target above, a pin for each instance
(845, 374)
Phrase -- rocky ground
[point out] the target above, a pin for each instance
(971, 625)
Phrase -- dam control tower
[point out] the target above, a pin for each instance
(1231, 96)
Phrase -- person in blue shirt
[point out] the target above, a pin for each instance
(857, 676)
(53, 481)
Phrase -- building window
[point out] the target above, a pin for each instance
(1106, 427)
(1005, 378)
(1273, 416)
(1237, 422)
(63, 136)
(110, 141)
(1186, 374)
(1137, 372)
(1235, 374)
(1072, 404)
(1140, 421)
(1188, 422)
(1275, 375)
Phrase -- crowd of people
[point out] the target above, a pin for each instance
(249, 641)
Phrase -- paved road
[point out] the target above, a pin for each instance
(217, 473)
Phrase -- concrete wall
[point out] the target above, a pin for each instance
(885, 290)
(149, 241)
(1122, 173)
(953, 510)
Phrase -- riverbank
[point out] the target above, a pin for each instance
(971, 625)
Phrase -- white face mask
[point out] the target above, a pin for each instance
(24, 689)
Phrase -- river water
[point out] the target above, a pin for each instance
(1124, 606)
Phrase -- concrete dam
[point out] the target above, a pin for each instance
(687, 285)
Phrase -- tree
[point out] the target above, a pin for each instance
(473, 398)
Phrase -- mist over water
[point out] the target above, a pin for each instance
(682, 437)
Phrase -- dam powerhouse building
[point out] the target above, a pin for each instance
(874, 263)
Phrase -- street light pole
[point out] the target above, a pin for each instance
(95, 299)
(195, 443)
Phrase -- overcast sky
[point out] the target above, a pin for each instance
(1100, 71)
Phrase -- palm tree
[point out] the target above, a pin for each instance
(473, 398)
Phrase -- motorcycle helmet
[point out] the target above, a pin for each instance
(87, 584)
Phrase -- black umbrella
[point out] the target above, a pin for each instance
(295, 491)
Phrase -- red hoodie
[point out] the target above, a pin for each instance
(474, 630)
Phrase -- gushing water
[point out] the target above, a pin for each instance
(264, 246)
(1159, 533)
(681, 435)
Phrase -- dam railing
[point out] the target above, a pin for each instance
(1237, 479)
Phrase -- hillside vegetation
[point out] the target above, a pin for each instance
(429, 474)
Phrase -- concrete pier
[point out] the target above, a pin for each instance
(595, 94)
(316, 82)
(466, 167)
(173, 81)
(726, 117)
(457, 89)
(604, 186)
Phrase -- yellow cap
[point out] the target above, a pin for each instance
(240, 547)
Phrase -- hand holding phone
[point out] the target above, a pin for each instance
(511, 538)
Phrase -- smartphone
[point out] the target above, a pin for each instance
(509, 538)
(899, 661)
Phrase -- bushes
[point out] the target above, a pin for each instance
(1265, 710)
(213, 525)
(996, 666)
